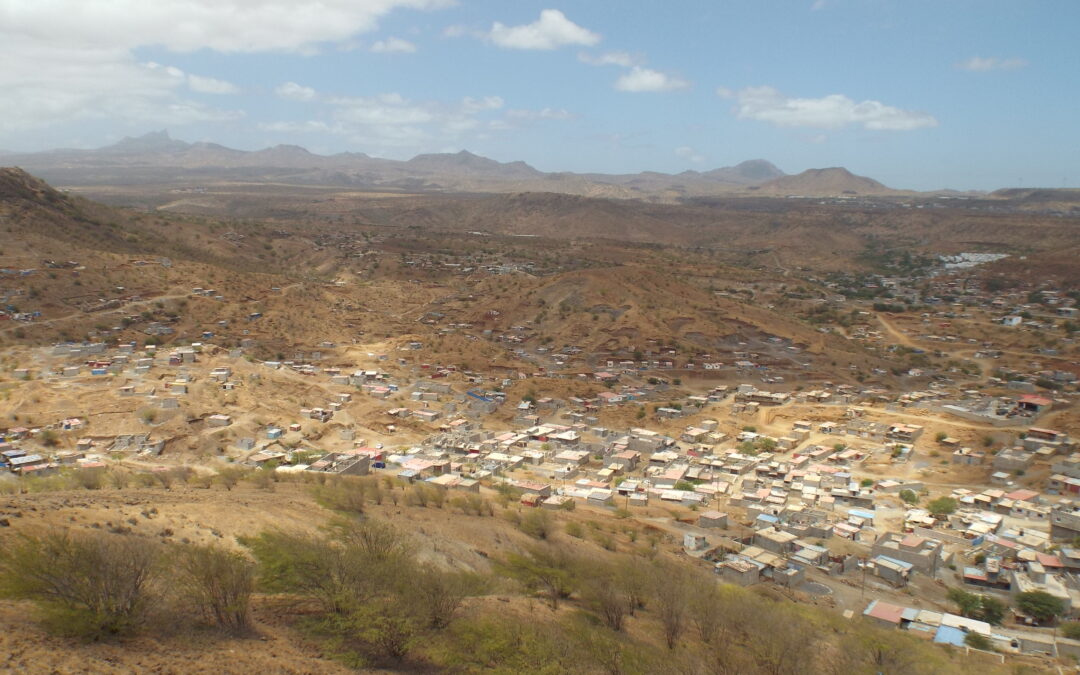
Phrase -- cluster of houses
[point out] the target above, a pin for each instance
(17, 457)
(795, 492)
(953, 629)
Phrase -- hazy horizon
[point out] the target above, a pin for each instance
(918, 96)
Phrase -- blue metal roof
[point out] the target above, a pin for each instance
(950, 636)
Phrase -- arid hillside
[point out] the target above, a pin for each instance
(532, 590)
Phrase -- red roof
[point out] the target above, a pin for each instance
(886, 612)
(1047, 560)
(1022, 495)
(912, 541)
(1034, 399)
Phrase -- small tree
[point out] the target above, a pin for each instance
(909, 497)
(968, 603)
(707, 609)
(537, 523)
(978, 641)
(670, 595)
(992, 610)
(942, 506)
(550, 570)
(310, 566)
(1040, 605)
(90, 479)
(165, 478)
(607, 599)
(219, 582)
(118, 478)
(229, 476)
(91, 585)
(437, 595)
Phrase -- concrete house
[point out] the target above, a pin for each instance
(218, 420)
(739, 572)
(343, 463)
(775, 541)
(713, 519)
(896, 572)
(924, 555)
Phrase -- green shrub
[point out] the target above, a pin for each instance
(978, 641)
(537, 523)
(219, 582)
(87, 585)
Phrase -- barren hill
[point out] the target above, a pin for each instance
(158, 158)
(750, 172)
(827, 182)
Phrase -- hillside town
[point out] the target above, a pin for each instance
(881, 500)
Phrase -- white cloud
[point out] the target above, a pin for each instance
(190, 25)
(210, 85)
(829, 112)
(623, 59)
(73, 60)
(307, 126)
(690, 154)
(981, 63)
(542, 114)
(551, 31)
(46, 85)
(203, 85)
(393, 45)
(479, 104)
(294, 92)
(390, 123)
(648, 80)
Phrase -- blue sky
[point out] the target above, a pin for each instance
(918, 94)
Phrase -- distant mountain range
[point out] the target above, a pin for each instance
(156, 158)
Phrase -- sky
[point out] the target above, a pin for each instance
(919, 94)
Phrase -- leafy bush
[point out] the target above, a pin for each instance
(1040, 605)
(348, 496)
(942, 506)
(86, 585)
(977, 641)
(229, 476)
(219, 582)
(536, 523)
(549, 570)
(90, 479)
